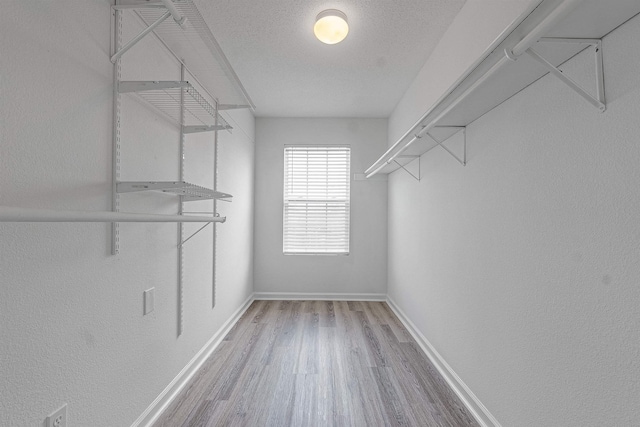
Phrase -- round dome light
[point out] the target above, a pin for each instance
(331, 26)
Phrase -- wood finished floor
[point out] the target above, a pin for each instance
(317, 363)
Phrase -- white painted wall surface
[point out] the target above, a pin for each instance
(522, 267)
(476, 26)
(364, 270)
(71, 322)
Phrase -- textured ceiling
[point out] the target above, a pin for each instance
(288, 73)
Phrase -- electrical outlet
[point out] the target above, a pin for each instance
(58, 418)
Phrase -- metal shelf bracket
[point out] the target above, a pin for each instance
(440, 143)
(139, 37)
(417, 178)
(199, 230)
(171, 11)
(598, 100)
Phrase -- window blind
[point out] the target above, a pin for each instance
(316, 199)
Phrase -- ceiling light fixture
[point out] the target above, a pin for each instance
(331, 26)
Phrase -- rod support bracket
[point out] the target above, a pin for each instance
(510, 55)
(417, 178)
(440, 143)
(598, 100)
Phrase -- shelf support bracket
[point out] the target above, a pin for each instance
(463, 160)
(597, 101)
(188, 238)
(139, 37)
(417, 178)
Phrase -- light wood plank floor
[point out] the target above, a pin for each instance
(317, 363)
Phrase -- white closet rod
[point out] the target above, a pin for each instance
(13, 214)
(560, 11)
(174, 11)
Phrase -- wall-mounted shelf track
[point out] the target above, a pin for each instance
(536, 44)
(189, 192)
(167, 97)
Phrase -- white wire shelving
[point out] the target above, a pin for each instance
(167, 97)
(189, 192)
(537, 43)
(192, 105)
(181, 29)
(190, 40)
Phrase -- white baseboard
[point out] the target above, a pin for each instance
(151, 414)
(473, 404)
(315, 296)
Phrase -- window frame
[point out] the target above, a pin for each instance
(285, 200)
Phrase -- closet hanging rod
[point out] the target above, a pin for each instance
(174, 11)
(550, 19)
(14, 214)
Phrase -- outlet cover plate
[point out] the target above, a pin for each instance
(58, 418)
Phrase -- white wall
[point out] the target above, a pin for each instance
(364, 270)
(485, 20)
(522, 267)
(71, 319)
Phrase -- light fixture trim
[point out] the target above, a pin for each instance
(331, 26)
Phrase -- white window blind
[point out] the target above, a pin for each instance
(316, 199)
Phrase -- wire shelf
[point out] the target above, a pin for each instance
(165, 97)
(188, 42)
(188, 191)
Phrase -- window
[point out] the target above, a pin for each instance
(316, 199)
